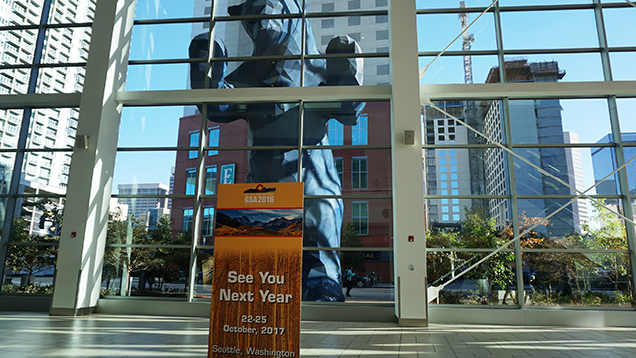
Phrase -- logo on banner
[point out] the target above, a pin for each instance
(260, 195)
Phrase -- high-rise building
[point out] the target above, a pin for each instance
(575, 171)
(446, 170)
(535, 122)
(139, 206)
(604, 163)
(53, 128)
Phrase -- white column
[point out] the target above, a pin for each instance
(408, 190)
(80, 258)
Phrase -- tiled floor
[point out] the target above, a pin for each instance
(38, 335)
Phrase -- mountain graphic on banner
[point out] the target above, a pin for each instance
(243, 226)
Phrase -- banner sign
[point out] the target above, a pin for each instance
(255, 307)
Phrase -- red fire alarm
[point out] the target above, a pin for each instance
(411, 238)
(73, 234)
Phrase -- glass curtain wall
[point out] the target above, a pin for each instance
(44, 46)
(543, 178)
(172, 156)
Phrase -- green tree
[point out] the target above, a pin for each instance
(349, 238)
(440, 265)
(610, 234)
(479, 231)
(128, 259)
(31, 254)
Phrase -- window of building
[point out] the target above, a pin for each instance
(360, 217)
(210, 180)
(382, 70)
(336, 130)
(327, 23)
(359, 131)
(191, 179)
(207, 227)
(194, 142)
(328, 7)
(354, 21)
(354, 4)
(382, 35)
(215, 134)
(359, 173)
(339, 167)
(187, 220)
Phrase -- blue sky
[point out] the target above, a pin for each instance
(589, 118)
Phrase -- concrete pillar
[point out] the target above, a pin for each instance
(408, 179)
(82, 240)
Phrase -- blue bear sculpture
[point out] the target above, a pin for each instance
(278, 124)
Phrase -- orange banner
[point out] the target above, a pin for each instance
(255, 308)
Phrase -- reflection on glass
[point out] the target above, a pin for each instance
(157, 77)
(584, 120)
(372, 128)
(450, 69)
(370, 32)
(553, 67)
(32, 249)
(542, 2)
(40, 219)
(527, 29)
(600, 228)
(60, 80)
(614, 21)
(604, 163)
(532, 181)
(630, 153)
(330, 6)
(143, 271)
(436, 31)
(66, 45)
(29, 269)
(626, 108)
(137, 168)
(576, 279)
(154, 126)
(10, 125)
(565, 222)
(621, 66)
(488, 220)
(435, 4)
(14, 81)
(13, 42)
(493, 282)
(367, 276)
(203, 287)
(158, 42)
(278, 124)
(53, 128)
(151, 9)
(361, 172)
(64, 12)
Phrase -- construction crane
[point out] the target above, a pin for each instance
(477, 174)
(467, 39)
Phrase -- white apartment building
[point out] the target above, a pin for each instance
(63, 53)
